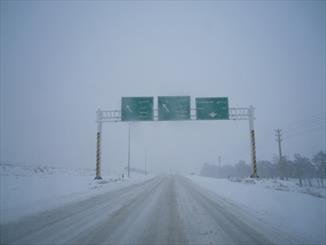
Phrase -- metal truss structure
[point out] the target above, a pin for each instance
(241, 113)
(235, 113)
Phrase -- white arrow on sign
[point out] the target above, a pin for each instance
(128, 108)
(166, 108)
(212, 114)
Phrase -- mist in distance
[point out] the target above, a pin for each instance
(61, 61)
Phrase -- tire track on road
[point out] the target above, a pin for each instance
(28, 229)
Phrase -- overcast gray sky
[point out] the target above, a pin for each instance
(60, 61)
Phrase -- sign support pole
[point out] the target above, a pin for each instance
(98, 144)
(251, 114)
(125, 114)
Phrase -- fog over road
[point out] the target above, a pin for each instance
(163, 210)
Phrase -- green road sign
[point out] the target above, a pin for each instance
(137, 109)
(212, 108)
(173, 108)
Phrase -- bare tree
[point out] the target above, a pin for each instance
(320, 162)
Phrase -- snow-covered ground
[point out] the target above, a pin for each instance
(311, 187)
(282, 204)
(28, 189)
(297, 211)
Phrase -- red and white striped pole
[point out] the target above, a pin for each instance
(98, 143)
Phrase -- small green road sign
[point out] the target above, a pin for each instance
(137, 109)
(214, 108)
(173, 108)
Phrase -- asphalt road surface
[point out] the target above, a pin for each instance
(164, 210)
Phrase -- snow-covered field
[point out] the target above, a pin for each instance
(311, 187)
(282, 204)
(29, 189)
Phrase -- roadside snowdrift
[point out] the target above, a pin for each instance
(28, 189)
(299, 214)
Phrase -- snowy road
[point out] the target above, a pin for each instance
(163, 210)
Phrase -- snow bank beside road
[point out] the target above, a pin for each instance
(28, 189)
(311, 187)
(300, 215)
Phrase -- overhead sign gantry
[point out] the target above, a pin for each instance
(175, 108)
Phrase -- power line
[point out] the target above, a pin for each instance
(319, 116)
(298, 130)
(307, 122)
(315, 129)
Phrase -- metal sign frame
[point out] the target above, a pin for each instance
(235, 113)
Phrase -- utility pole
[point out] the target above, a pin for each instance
(279, 140)
(129, 151)
(219, 161)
